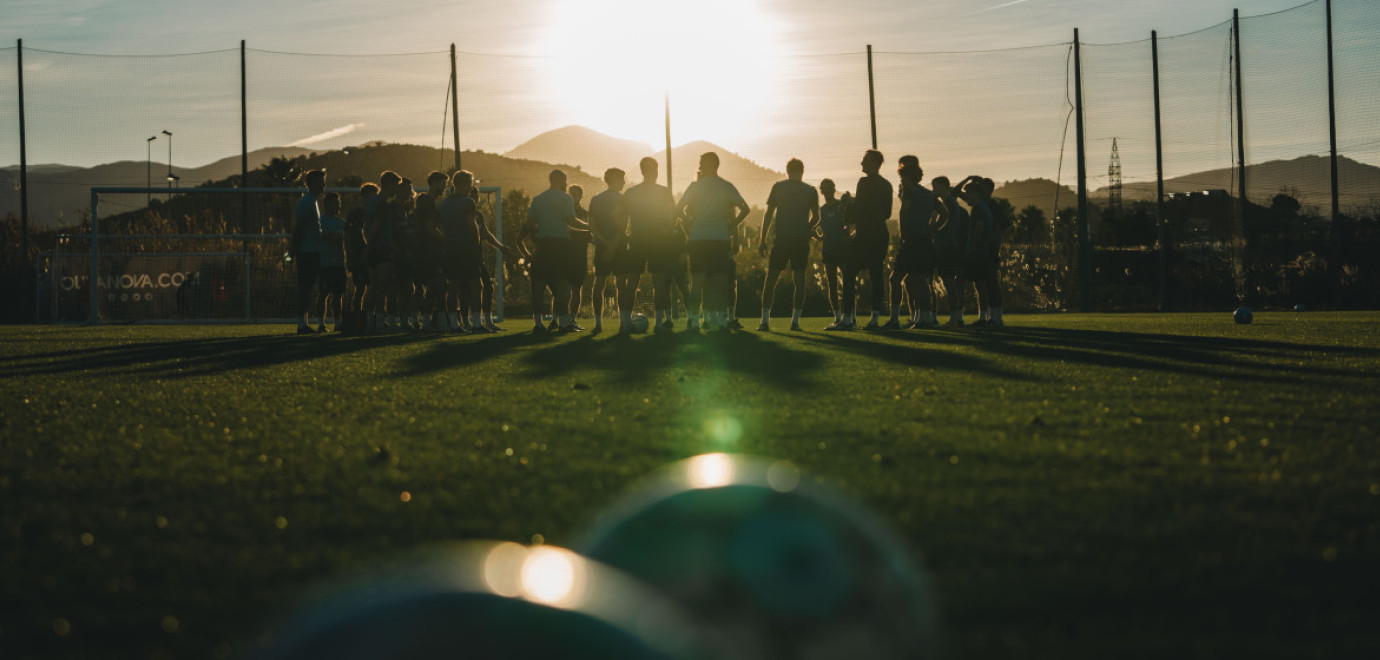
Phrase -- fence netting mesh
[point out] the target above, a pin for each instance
(1004, 114)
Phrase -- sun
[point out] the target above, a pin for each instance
(614, 62)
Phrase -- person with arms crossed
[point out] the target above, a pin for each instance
(708, 209)
(791, 217)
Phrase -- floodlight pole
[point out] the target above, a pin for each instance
(1239, 254)
(668, 143)
(244, 141)
(1084, 233)
(1332, 119)
(871, 97)
(1159, 177)
(23, 164)
(454, 109)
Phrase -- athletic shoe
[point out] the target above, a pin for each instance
(553, 326)
(492, 328)
(305, 330)
(539, 329)
(890, 325)
(954, 323)
(321, 330)
(598, 328)
(734, 324)
(841, 326)
(871, 325)
(479, 330)
(795, 327)
(576, 327)
(693, 324)
(981, 323)
(665, 327)
(568, 329)
(763, 327)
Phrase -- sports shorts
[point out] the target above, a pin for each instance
(551, 262)
(645, 254)
(308, 268)
(711, 257)
(914, 257)
(869, 251)
(789, 253)
(333, 279)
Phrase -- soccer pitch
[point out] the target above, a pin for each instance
(1076, 485)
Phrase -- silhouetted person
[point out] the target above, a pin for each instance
(651, 219)
(712, 209)
(356, 250)
(608, 224)
(790, 219)
(579, 256)
(913, 268)
(870, 210)
(550, 217)
(333, 276)
(306, 246)
(950, 245)
(833, 232)
(378, 232)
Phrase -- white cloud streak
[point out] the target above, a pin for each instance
(322, 137)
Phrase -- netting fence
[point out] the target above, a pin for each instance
(249, 117)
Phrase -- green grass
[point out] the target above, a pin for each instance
(1078, 486)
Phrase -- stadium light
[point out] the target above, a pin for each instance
(148, 175)
(170, 172)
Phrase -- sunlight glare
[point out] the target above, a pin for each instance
(552, 576)
(501, 567)
(710, 471)
(617, 59)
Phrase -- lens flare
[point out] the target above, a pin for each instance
(551, 576)
(710, 471)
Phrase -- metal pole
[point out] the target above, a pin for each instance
(500, 271)
(1084, 233)
(1332, 120)
(1159, 177)
(669, 170)
(23, 166)
(871, 96)
(95, 256)
(244, 140)
(1240, 110)
(454, 109)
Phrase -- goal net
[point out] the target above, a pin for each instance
(199, 255)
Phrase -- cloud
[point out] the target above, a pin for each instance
(322, 137)
(1000, 6)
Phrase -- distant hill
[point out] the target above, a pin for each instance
(583, 148)
(1037, 192)
(1311, 176)
(751, 179)
(60, 194)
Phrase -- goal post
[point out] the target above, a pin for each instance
(178, 260)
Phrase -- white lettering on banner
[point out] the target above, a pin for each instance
(131, 281)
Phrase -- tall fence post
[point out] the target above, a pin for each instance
(454, 109)
(244, 182)
(95, 256)
(23, 167)
(1084, 230)
(871, 97)
(1332, 119)
(1239, 241)
(1159, 177)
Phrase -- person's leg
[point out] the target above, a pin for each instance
(798, 300)
(898, 282)
(850, 294)
(697, 299)
(471, 288)
(876, 276)
(661, 296)
(831, 283)
(597, 300)
(627, 295)
(486, 300)
(953, 286)
(561, 307)
(768, 297)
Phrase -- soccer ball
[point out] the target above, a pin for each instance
(781, 569)
(1299, 307)
(1243, 315)
(640, 323)
(493, 600)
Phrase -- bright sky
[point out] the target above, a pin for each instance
(746, 74)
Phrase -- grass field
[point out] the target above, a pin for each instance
(1079, 486)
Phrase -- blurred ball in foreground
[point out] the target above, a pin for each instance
(779, 568)
(487, 600)
(1243, 315)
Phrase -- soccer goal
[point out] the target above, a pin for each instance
(195, 255)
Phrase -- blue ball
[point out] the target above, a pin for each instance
(1299, 307)
(1243, 315)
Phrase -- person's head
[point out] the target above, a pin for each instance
(557, 179)
(709, 163)
(941, 186)
(367, 191)
(649, 168)
(795, 168)
(403, 191)
(316, 181)
(988, 187)
(436, 183)
(872, 161)
(578, 192)
(462, 182)
(388, 182)
(330, 204)
(908, 168)
(826, 187)
(615, 178)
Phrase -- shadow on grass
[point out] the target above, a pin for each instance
(1224, 358)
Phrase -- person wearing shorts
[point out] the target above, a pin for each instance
(333, 277)
(579, 255)
(712, 209)
(378, 232)
(550, 217)
(608, 225)
(833, 233)
(913, 268)
(950, 243)
(650, 209)
(356, 256)
(871, 208)
(791, 216)
(306, 248)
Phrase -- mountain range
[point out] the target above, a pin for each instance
(59, 195)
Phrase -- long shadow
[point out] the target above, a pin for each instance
(912, 355)
(1213, 357)
(184, 358)
(637, 361)
(441, 356)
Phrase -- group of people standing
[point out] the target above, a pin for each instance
(418, 256)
